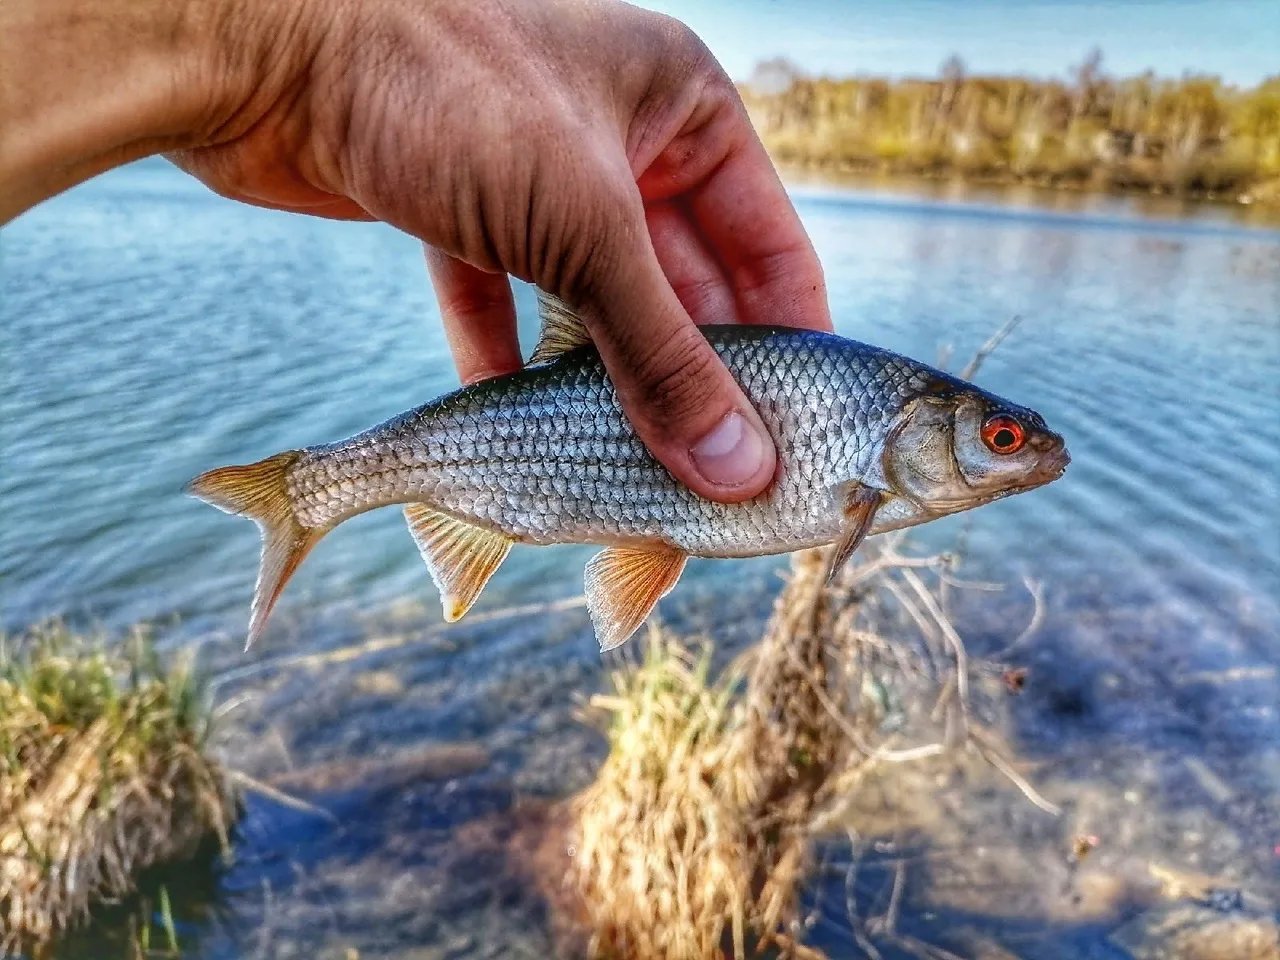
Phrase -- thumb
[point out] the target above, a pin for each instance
(680, 398)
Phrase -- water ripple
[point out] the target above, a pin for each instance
(153, 330)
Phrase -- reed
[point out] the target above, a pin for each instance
(1193, 136)
(103, 773)
(696, 837)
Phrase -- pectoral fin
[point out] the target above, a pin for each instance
(623, 586)
(460, 556)
(562, 329)
(860, 505)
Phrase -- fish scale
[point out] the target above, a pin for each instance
(548, 456)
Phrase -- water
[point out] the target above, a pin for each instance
(152, 330)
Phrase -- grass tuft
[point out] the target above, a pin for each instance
(103, 773)
(695, 839)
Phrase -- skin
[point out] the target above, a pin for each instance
(587, 146)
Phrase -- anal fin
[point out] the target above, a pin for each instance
(859, 508)
(623, 584)
(460, 556)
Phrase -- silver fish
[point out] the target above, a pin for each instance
(868, 441)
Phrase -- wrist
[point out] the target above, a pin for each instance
(86, 85)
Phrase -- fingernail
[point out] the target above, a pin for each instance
(731, 454)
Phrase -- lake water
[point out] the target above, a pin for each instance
(152, 331)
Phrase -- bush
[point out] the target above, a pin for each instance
(102, 774)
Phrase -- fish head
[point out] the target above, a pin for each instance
(959, 447)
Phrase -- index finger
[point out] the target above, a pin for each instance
(720, 171)
(479, 316)
(749, 222)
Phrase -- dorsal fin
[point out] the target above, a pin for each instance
(562, 329)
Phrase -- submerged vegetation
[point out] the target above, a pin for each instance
(697, 834)
(1188, 136)
(103, 773)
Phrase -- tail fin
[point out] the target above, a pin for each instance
(258, 491)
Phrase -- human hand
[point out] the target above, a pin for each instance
(590, 147)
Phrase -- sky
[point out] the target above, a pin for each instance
(1239, 40)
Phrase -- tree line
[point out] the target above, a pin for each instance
(1189, 136)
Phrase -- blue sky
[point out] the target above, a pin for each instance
(1237, 39)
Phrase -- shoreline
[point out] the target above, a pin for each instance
(840, 172)
(1189, 137)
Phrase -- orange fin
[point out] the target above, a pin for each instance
(562, 329)
(259, 491)
(623, 586)
(860, 506)
(460, 556)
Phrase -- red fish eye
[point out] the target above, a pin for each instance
(1003, 434)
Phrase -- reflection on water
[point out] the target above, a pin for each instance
(153, 331)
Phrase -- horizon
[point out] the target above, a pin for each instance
(1235, 40)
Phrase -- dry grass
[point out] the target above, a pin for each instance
(663, 858)
(1189, 136)
(695, 838)
(102, 774)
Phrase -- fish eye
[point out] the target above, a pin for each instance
(1003, 434)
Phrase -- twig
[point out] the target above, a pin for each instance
(984, 351)
(829, 705)
(949, 634)
(223, 710)
(926, 628)
(1036, 589)
(279, 796)
(908, 754)
(856, 925)
(1230, 675)
(997, 760)
(895, 898)
(264, 931)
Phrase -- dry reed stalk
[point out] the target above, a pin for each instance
(102, 774)
(696, 836)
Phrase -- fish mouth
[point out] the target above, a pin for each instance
(1052, 465)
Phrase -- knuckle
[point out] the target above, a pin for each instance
(677, 377)
(702, 296)
(653, 32)
(788, 281)
(675, 57)
(765, 274)
(686, 89)
(218, 169)
(676, 39)
(610, 201)
(475, 302)
(583, 257)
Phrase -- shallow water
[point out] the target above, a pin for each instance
(152, 330)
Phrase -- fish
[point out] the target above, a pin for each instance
(868, 441)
